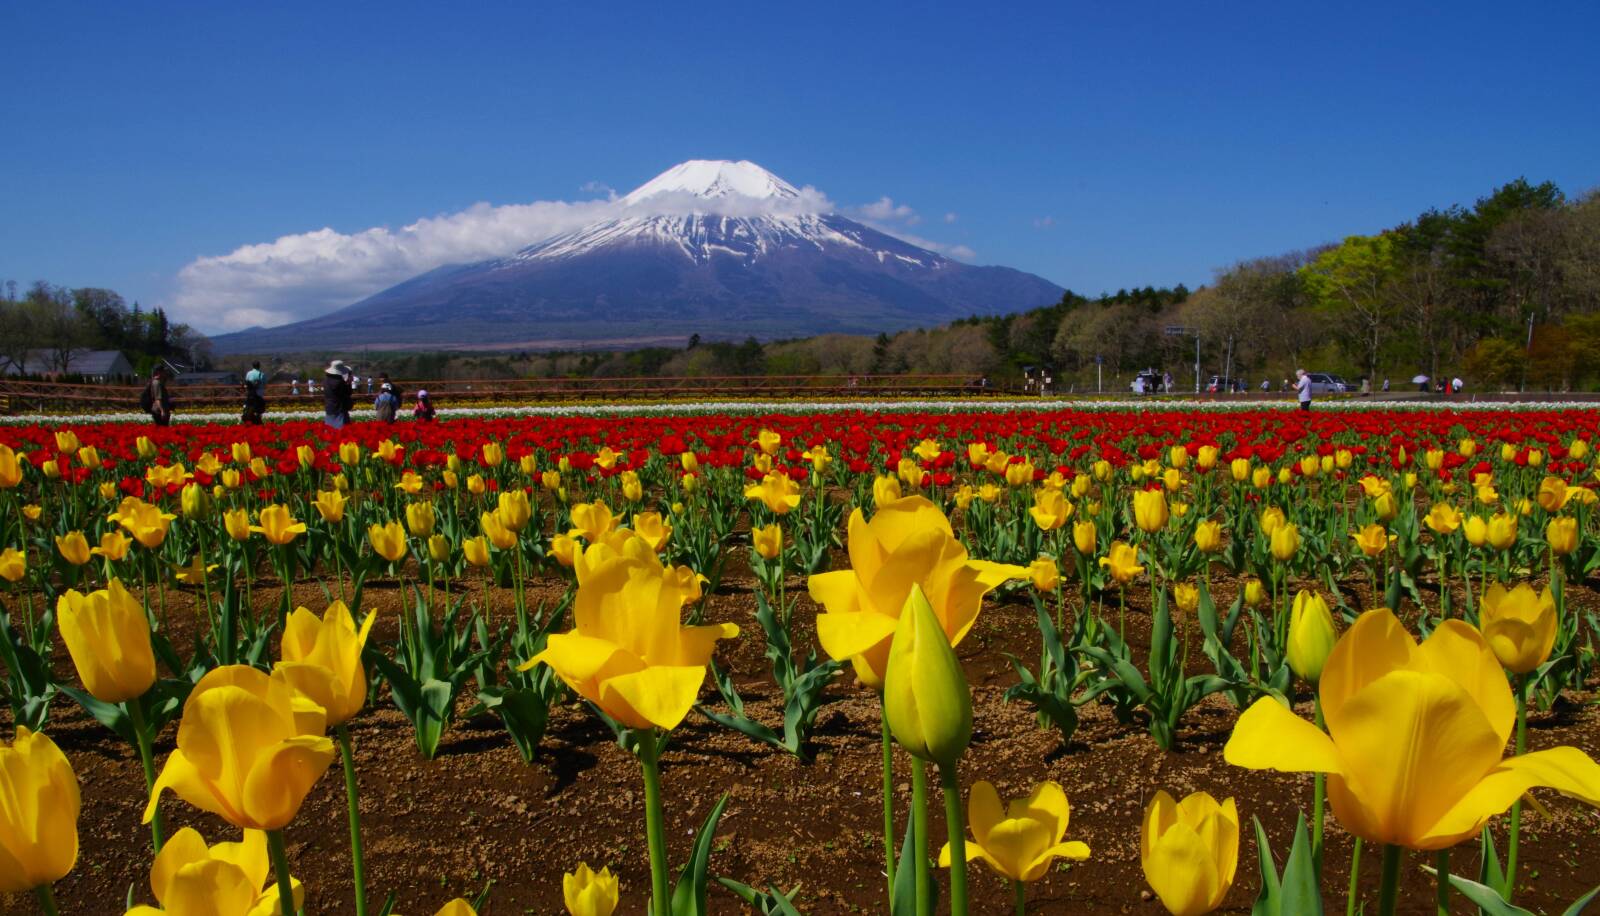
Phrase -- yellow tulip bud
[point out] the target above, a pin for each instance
(237, 523)
(494, 454)
(476, 550)
(108, 637)
(1562, 536)
(1535, 458)
(565, 549)
(1044, 574)
(690, 462)
(306, 455)
(514, 510)
(1240, 469)
(1208, 536)
(13, 564)
(1261, 478)
(475, 484)
(1150, 510)
(1084, 536)
(925, 696)
(885, 490)
(1502, 531)
(145, 447)
(39, 822)
(1371, 540)
(1285, 543)
(420, 519)
(1272, 518)
(768, 541)
(1578, 450)
(1190, 851)
(74, 547)
(439, 549)
(1519, 626)
(495, 530)
(1186, 597)
(550, 480)
(589, 893)
(1311, 635)
(1385, 506)
(1255, 593)
(194, 501)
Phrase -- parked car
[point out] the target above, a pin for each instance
(1148, 383)
(1324, 383)
(1218, 383)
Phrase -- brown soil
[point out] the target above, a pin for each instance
(477, 814)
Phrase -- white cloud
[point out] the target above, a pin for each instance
(950, 217)
(886, 210)
(598, 187)
(1044, 222)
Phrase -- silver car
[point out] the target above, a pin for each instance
(1324, 383)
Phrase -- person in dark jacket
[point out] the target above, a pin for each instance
(156, 399)
(337, 395)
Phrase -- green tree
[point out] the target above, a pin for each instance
(1350, 286)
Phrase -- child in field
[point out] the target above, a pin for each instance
(424, 410)
(386, 405)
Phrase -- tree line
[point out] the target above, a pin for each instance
(41, 328)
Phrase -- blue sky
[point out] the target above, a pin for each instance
(1099, 145)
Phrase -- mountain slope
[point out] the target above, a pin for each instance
(722, 249)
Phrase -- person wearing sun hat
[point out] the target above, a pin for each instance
(337, 396)
(424, 410)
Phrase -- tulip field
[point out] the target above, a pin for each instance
(780, 661)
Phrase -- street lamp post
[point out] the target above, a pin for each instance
(1178, 330)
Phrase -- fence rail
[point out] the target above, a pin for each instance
(18, 396)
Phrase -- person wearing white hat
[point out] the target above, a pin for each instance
(337, 396)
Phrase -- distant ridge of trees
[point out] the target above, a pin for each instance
(40, 329)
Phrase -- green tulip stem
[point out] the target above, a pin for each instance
(955, 826)
(358, 861)
(1355, 879)
(1520, 685)
(47, 899)
(288, 587)
(655, 829)
(888, 801)
(280, 870)
(1389, 891)
(141, 740)
(1319, 793)
(919, 831)
(1020, 892)
(1441, 864)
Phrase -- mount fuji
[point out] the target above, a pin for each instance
(721, 249)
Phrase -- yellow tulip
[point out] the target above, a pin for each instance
(493, 454)
(592, 521)
(195, 501)
(1285, 542)
(550, 480)
(1190, 851)
(1272, 519)
(1519, 626)
(113, 546)
(606, 458)
(689, 482)
(1476, 530)
(475, 484)
(1044, 574)
(1535, 458)
(439, 548)
(1150, 510)
(1050, 509)
(1442, 519)
(1255, 592)
(1123, 562)
(1433, 458)
(1372, 540)
(690, 462)
(189, 877)
(514, 510)
(388, 540)
(965, 495)
(1186, 597)
(74, 547)
(1019, 840)
(1020, 474)
(1578, 450)
(1562, 536)
(13, 564)
(565, 550)
(632, 489)
(589, 893)
(768, 441)
(249, 749)
(146, 522)
(499, 535)
(330, 505)
(926, 701)
(767, 541)
(306, 456)
(322, 659)
(884, 490)
(776, 491)
(39, 818)
(32, 511)
(108, 636)
(1240, 469)
(1415, 737)
(278, 526)
(476, 551)
(654, 530)
(909, 541)
(195, 573)
(1208, 536)
(1502, 531)
(1311, 635)
(627, 652)
(1084, 536)
(66, 440)
(1261, 477)
(529, 464)
(819, 458)
(1385, 506)
(420, 519)
(10, 468)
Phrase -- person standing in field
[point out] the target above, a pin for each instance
(1302, 387)
(156, 399)
(337, 396)
(424, 411)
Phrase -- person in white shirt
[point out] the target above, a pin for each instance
(1302, 387)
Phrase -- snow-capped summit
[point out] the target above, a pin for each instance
(714, 178)
(722, 249)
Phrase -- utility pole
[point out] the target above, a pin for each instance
(1178, 330)
(1099, 373)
